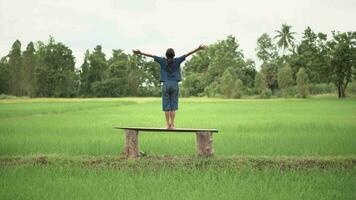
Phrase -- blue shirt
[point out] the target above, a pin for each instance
(170, 75)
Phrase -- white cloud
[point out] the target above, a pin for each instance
(154, 25)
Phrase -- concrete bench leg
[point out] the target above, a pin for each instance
(131, 144)
(205, 144)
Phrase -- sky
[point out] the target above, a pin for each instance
(155, 25)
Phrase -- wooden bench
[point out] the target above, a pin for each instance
(204, 143)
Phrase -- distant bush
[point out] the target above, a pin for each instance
(322, 88)
(108, 88)
(285, 80)
(266, 93)
(302, 83)
(351, 88)
(289, 92)
(260, 82)
(4, 96)
(238, 90)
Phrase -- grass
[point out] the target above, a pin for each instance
(313, 127)
(57, 182)
(265, 149)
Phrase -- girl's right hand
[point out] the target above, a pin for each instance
(136, 51)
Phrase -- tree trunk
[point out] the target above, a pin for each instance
(341, 91)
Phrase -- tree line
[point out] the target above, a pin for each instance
(48, 70)
(290, 68)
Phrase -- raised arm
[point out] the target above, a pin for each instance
(138, 52)
(195, 50)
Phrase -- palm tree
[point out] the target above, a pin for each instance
(285, 37)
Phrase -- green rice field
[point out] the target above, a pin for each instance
(265, 149)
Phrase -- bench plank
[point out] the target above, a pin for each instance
(168, 130)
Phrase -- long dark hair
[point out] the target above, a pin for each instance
(170, 55)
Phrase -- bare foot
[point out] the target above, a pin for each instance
(168, 126)
(171, 126)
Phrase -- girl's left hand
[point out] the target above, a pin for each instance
(201, 47)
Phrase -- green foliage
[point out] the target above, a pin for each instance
(285, 79)
(228, 83)
(108, 88)
(47, 69)
(266, 93)
(352, 87)
(322, 88)
(207, 70)
(124, 74)
(286, 38)
(84, 87)
(15, 69)
(238, 89)
(266, 50)
(30, 61)
(4, 76)
(229, 86)
(98, 65)
(302, 83)
(312, 55)
(55, 73)
(260, 82)
(193, 85)
(270, 71)
(213, 90)
(343, 59)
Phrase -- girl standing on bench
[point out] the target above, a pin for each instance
(170, 75)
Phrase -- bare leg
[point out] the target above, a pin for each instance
(166, 113)
(172, 114)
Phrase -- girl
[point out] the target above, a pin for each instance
(170, 75)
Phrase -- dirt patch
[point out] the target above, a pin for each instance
(179, 162)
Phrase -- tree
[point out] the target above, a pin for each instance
(238, 89)
(342, 59)
(205, 70)
(302, 83)
(42, 75)
(260, 82)
(4, 76)
(227, 55)
(55, 73)
(285, 79)
(247, 73)
(84, 87)
(230, 86)
(150, 82)
(193, 84)
(118, 78)
(15, 69)
(29, 63)
(98, 65)
(311, 54)
(227, 83)
(95, 69)
(270, 71)
(133, 76)
(265, 50)
(285, 37)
